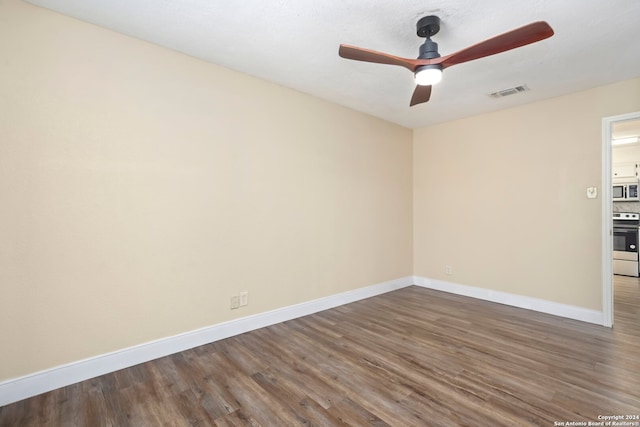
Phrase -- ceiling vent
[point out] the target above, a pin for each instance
(509, 91)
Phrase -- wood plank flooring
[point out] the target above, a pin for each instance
(413, 357)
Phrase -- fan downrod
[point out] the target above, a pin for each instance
(428, 26)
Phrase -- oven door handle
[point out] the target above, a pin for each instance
(625, 229)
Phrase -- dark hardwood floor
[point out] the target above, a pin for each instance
(413, 357)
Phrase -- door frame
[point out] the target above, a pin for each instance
(607, 214)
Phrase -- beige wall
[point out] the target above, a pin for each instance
(141, 188)
(501, 197)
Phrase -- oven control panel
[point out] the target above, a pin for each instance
(626, 216)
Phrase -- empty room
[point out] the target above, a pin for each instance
(319, 213)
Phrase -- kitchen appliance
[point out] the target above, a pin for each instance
(625, 191)
(625, 243)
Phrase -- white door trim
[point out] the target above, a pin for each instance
(607, 219)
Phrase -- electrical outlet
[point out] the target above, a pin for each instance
(448, 269)
(244, 298)
(235, 302)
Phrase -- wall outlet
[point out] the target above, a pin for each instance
(448, 269)
(244, 298)
(235, 302)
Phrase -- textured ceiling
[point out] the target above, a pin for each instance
(295, 43)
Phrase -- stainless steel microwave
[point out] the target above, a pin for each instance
(625, 191)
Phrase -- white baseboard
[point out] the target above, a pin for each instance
(20, 388)
(544, 306)
(30, 385)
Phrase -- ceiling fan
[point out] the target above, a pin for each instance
(429, 64)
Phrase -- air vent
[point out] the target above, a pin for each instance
(509, 91)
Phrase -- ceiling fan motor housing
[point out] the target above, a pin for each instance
(427, 27)
(429, 50)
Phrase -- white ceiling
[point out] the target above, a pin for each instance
(295, 43)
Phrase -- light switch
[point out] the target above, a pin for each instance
(592, 192)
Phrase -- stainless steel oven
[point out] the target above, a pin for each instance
(625, 243)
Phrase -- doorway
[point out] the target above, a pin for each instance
(613, 128)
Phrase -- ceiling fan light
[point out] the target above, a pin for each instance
(428, 75)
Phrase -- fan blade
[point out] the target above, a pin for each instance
(522, 36)
(420, 95)
(366, 55)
